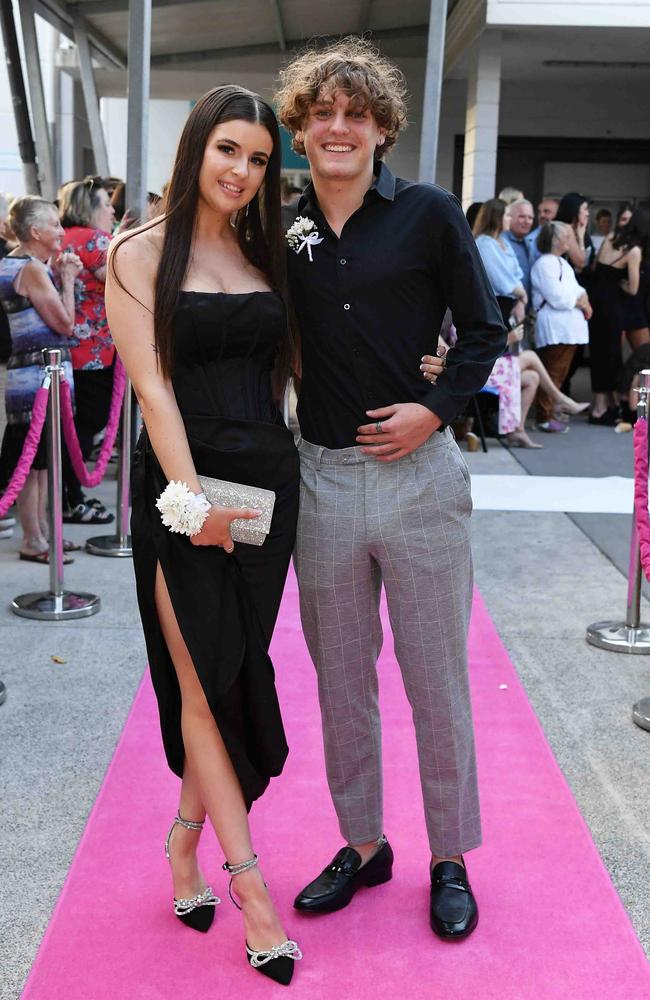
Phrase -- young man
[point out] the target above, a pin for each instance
(385, 495)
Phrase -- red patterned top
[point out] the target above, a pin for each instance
(91, 344)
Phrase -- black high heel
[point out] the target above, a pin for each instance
(196, 912)
(278, 962)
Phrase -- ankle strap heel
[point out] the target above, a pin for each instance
(277, 962)
(196, 911)
(239, 869)
(189, 824)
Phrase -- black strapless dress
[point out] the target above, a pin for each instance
(225, 605)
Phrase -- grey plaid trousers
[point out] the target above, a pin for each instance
(405, 524)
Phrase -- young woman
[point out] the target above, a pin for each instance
(499, 260)
(636, 308)
(574, 210)
(197, 307)
(615, 279)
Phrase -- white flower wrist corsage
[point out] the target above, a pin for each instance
(182, 511)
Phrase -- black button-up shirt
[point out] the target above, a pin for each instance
(370, 304)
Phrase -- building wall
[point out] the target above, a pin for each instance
(596, 13)
(11, 172)
(581, 110)
(166, 120)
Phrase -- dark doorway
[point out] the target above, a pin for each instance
(521, 159)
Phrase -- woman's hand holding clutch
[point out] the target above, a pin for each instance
(216, 528)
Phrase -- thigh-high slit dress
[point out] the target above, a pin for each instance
(225, 605)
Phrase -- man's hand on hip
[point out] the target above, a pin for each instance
(397, 430)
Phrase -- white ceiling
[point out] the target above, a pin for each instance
(200, 25)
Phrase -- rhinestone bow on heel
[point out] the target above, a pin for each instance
(278, 961)
(196, 912)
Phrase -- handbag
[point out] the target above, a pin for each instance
(224, 494)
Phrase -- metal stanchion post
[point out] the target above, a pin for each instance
(119, 544)
(632, 635)
(56, 604)
(641, 713)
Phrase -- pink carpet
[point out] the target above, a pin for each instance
(551, 926)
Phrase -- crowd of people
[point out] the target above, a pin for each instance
(52, 277)
(564, 287)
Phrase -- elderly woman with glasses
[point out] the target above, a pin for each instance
(40, 316)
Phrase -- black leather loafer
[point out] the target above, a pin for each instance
(453, 911)
(337, 884)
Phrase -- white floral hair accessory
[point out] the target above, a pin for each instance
(303, 233)
(182, 511)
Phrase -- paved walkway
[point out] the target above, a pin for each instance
(544, 577)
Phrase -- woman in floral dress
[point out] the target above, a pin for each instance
(87, 218)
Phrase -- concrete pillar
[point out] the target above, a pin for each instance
(138, 105)
(482, 119)
(432, 90)
(90, 95)
(42, 139)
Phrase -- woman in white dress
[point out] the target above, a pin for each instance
(563, 310)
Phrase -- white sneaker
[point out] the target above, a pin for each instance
(7, 522)
(6, 532)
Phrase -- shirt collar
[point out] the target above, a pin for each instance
(510, 236)
(383, 184)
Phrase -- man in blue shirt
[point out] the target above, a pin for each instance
(521, 239)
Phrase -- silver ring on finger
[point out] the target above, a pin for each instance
(378, 426)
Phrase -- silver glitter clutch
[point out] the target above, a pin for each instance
(224, 494)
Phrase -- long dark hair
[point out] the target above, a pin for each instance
(625, 206)
(489, 220)
(636, 233)
(258, 227)
(569, 207)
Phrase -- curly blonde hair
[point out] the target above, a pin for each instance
(356, 68)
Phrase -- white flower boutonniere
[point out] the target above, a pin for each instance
(303, 233)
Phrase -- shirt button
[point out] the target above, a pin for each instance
(347, 305)
(343, 260)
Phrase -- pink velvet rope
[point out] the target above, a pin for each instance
(95, 477)
(22, 470)
(641, 492)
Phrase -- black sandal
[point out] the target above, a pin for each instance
(86, 513)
